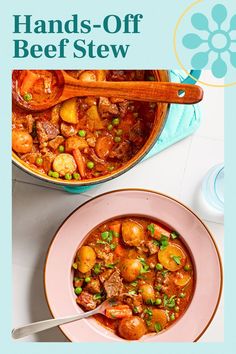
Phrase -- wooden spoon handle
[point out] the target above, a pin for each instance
(150, 91)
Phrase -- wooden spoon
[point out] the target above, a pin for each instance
(149, 91)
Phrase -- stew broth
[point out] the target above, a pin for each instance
(81, 138)
(144, 265)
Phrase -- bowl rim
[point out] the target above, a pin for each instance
(160, 194)
(98, 180)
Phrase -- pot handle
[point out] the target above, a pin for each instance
(192, 78)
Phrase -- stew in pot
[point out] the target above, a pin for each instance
(81, 138)
(144, 265)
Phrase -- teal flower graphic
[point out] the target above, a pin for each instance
(217, 42)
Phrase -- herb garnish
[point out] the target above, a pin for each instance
(177, 259)
(151, 228)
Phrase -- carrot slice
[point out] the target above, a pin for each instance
(119, 251)
(182, 278)
(28, 81)
(115, 227)
(157, 231)
(172, 257)
(79, 162)
(119, 311)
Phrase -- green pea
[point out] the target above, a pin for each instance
(110, 127)
(55, 174)
(182, 295)
(119, 132)
(68, 176)
(78, 290)
(76, 176)
(187, 267)
(110, 168)
(27, 97)
(116, 121)
(176, 308)
(82, 133)
(61, 148)
(117, 139)
(158, 301)
(39, 161)
(90, 165)
(159, 266)
(87, 279)
(172, 317)
(105, 235)
(50, 173)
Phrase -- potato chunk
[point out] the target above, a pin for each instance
(69, 111)
(130, 269)
(75, 142)
(22, 141)
(86, 259)
(63, 164)
(132, 328)
(132, 233)
(159, 319)
(172, 257)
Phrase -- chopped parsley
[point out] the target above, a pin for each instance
(97, 268)
(97, 296)
(164, 242)
(113, 246)
(164, 273)
(169, 302)
(148, 312)
(177, 259)
(157, 327)
(132, 292)
(134, 283)
(151, 228)
(174, 235)
(110, 266)
(156, 243)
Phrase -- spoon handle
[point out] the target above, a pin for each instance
(156, 91)
(35, 327)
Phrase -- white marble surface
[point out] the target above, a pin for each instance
(39, 208)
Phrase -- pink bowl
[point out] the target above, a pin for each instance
(208, 270)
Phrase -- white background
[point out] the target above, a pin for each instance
(39, 209)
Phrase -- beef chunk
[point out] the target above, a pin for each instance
(135, 302)
(152, 247)
(46, 130)
(105, 275)
(113, 285)
(54, 143)
(123, 108)
(105, 106)
(122, 151)
(93, 286)
(86, 300)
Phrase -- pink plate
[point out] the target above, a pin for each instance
(208, 270)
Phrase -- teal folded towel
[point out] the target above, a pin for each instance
(182, 121)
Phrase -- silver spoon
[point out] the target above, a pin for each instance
(39, 326)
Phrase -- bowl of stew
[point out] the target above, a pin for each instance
(83, 140)
(147, 250)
